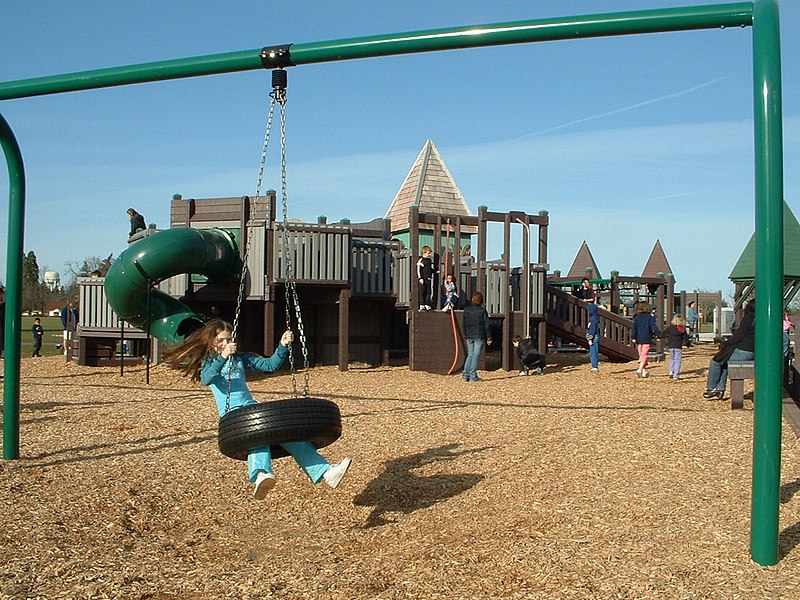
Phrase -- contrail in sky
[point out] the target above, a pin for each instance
(624, 109)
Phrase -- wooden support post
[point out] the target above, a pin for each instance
(505, 297)
(344, 329)
(525, 281)
(269, 327)
(481, 284)
(660, 311)
(438, 261)
(413, 243)
(457, 261)
(542, 239)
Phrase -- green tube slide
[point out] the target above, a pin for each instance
(209, 252)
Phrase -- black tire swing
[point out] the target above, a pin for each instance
(294, 419)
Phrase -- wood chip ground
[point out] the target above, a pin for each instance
(566, 485)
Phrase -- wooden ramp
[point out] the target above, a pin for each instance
(435, 348)
(567, 318)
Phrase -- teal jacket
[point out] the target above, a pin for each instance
(215, 370)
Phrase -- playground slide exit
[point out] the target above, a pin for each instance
(210, 252)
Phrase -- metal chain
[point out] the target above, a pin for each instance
(276, 96)
(290, 289)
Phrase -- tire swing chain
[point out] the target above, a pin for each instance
(292, 299)
(276, 423)
(277, 95)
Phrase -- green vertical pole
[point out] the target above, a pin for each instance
(769, 283)
(13, 320)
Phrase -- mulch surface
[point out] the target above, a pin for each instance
(565, 485)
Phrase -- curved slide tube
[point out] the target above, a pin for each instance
(209, 252)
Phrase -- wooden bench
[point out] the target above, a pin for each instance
(738, 371)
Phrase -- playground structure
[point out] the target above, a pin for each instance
(342, 270)
(761, 15)
(358, 281)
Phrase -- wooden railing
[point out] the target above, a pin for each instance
(372, 270)
(495, 283)
(95, 315)
(568, 317)
(316, 253)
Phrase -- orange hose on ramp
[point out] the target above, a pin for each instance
(451, 311)
(455, 341)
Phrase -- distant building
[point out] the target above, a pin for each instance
(52, 280)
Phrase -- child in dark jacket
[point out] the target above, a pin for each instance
(425, 272)
(529, 357)
(38, 334)
(644, 331)
(677, 335)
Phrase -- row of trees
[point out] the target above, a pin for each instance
(35, 294)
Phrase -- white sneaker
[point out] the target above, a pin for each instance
(595, 370)
(264, 483)
(333, 476)
(670, 373)
(639, 371)
(645, 373)
(522, 373)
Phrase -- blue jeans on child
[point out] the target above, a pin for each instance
(594, 353)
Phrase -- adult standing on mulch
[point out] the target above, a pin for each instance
(69, 321)
(476, 332)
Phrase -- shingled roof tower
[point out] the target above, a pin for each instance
(584, 265)
(657, 263)
(428, 185)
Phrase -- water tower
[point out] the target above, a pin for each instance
(52, 280)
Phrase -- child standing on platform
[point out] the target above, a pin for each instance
(425, 279)
(677, 335)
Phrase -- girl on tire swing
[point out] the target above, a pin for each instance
(204, 356)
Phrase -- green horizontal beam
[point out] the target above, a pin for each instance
(539, 30)
(142, 73)
(738, 14)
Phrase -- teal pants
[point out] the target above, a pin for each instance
(304, 453)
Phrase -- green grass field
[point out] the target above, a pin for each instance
(53, 335)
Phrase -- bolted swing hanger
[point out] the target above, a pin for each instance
(276, 57)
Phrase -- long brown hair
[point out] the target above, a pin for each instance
(188, 356)
(477, 299)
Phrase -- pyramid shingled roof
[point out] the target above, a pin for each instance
(745, 268)
(584, 260)
(430, 186)
(657, 263)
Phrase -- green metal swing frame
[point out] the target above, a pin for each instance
(761, 15)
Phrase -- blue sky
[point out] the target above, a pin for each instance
(623, 140)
